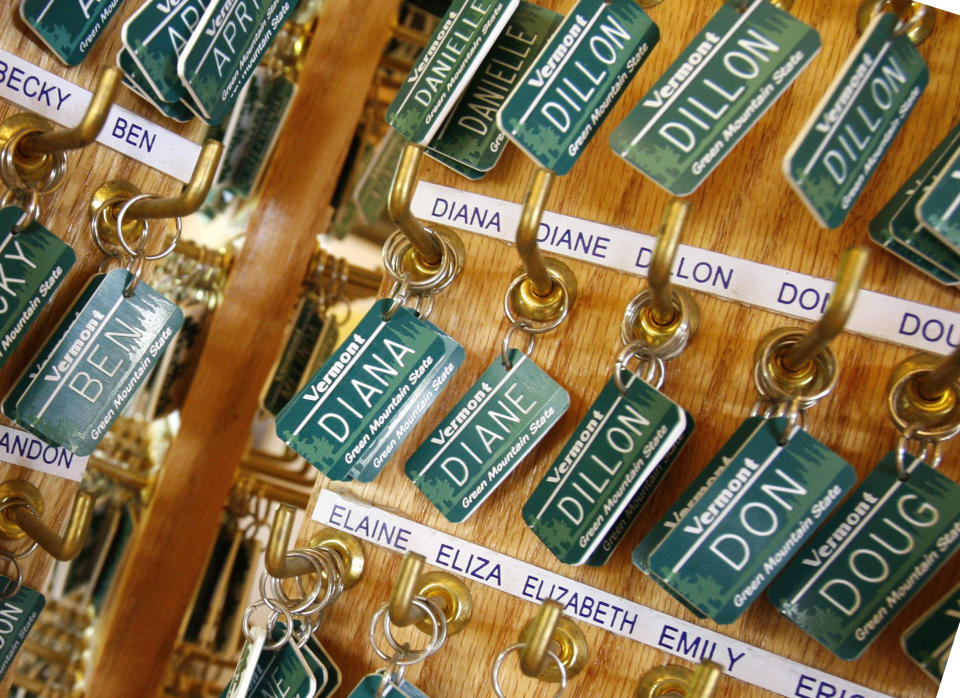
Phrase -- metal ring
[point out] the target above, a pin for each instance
(508, 309)
(392, 675)
(323, 562)
(399, 293)
(280, 600)
(11, 175)
(30, 213)
(137, 272)
(771, 385)
(677, 340)
(902, 27)
(654, 367)
(13, 503)
(402, 654)
(495, 673)
(9, 593)
(795, 419)
(398, 246)
(271, 623)
(904, 424)
(142, 243)
(930, 453)
(505, 350)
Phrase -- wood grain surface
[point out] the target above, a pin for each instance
(745, 209)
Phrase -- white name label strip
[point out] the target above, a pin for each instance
(581, 602)
(18, 447)
(62, 102)
(875, 315)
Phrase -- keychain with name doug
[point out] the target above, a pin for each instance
(354, 413)
(629, 437)
(844, 140)
(897, 528)
(105, 346)
(768, 489)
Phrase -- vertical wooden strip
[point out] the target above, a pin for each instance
(174, 543)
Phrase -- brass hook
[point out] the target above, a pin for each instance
(551, 628)
(448, 593)
(22, 518)
(279, 565)
(925, 394)
(668, 241)
(428, 249)
(798, 358)
(675, 681)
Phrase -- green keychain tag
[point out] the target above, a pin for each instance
(714, 93)
(369, 687)
(865, 565)
(137, 83)
(616, 456)
(19, 612)
(488, 432)
(896, 227)
(90, 370)
(751, 521)
(470, 138)
(929, 640)
(154, 36)
(225, 48)
(693, 494)
(444, 68)
(283, 672)
(351, 412)
(69, 28)
(32, 265)
(293, 363)
(850, 131)
(325, 671)
(938, 208)
(558, 106)
(247, 664)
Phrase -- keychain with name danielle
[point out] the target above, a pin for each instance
(770, 486)
(897, 528)
(629, 437)
(105, 346)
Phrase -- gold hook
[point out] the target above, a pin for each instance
(448, 593)
(192, 196)
(798, 359)
(942, 376)
(668, 241)
(675, 681)
(925, 394)
(22, 518)
(428, 250)
(279, 565)
(550, 628)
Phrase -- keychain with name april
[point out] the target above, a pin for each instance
(33, 261)
(897, 528)
(844, 140)
(104, 348)
(632, 433)
(768, 489)
(741, 62)
(354, 412)
(20, 605)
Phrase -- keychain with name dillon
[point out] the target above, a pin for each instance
(769, 488)
(844, 141)
(899, 526)
(105, 346)
(629, 437)
(723, 82)
(354, 413)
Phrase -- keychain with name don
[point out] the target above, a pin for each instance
(354, 413)
(20, 605)
(104, 348)
(768, 489)
(843, 142)
(413, 600)
(929, 640)
(629, 437)
(33, 162)
(897, 528)
(741, 62)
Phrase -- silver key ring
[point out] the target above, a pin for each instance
(142, 243)
(270, 624)
(654, 368)
(402, 655)
(17, 582)
(495, 673)
(30, 213)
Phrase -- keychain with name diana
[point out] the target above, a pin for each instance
(631, 434)
(844, 140)
(104, 347)
(354, 412)
(774, 485)
(894, 531)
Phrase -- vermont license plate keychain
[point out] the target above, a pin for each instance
(101, 352)
(844, 141)
(20, 605)
(631, 434)
(897, 528)
(69, 28)
(768, 489)
(939, 206)
(742, 61)
(929, 640)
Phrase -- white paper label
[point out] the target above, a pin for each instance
(581, 602)
(19, 447)
(875, 315)
(62, 102)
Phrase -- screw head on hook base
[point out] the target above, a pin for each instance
(562, 294)
(112, 194)
(935, 414)
(34, 168)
